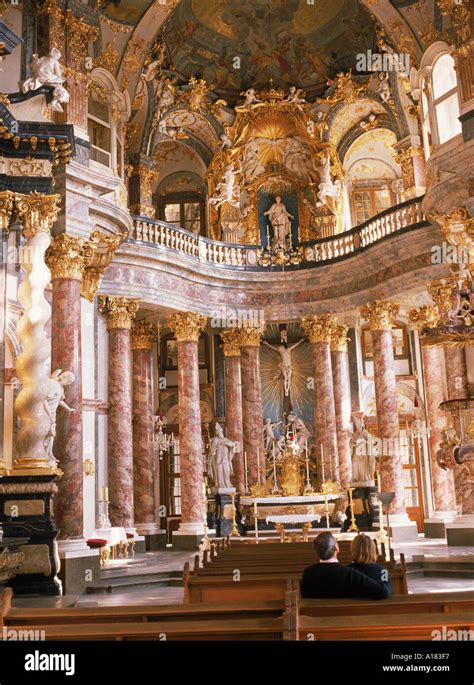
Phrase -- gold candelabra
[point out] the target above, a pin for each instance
(234, 532)
(352, 528)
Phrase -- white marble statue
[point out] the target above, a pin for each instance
(252, 163)
(362, 456)
(285, 369)
(269, 436)
(250, 98)
(60, 95)
(58, 380)
(221, 454)
(384, 87)
(45, 71)
(297, 427)
(226, 142)
(327, 188)
(227, 190)
(280, 220)
(296, 96)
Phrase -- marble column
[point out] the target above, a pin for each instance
(187, 328)
(381, 317)
(319, 330)
(442, 481)
(120, 312)
(233, 396)
(6, 209)
(457, 381)
(342, 401)
(143, 336)
(65, 259)
(142, 178)
(252, 411)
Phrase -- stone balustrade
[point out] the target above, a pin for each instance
(408, 215)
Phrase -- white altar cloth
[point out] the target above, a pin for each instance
(114, 535)
(295, 499)
(293, 518)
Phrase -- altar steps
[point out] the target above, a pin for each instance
(135, 574)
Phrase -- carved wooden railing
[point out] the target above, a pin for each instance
(405, 216)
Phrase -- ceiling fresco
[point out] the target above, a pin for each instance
(236, 45)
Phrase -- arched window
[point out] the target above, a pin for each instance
(445, 99)
(107, 112)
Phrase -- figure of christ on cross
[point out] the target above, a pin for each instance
(285, 369)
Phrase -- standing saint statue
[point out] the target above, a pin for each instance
(362, 456)
(280, 220)
(221, 454)
(58, 380)
(285, 369)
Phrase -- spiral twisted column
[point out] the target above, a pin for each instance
(38, 214)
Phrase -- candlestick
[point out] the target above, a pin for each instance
(379, 484)
(106, 493)
(258, 465)
(268, 237)
(322, 460)
(275, 488)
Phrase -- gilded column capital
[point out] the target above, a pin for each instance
(320, 328)
(38, 212)
(98, 253)
(231, 343)
(65, 257)
(339, 339)
(6, 208)
(442, 293)
(187, 326)
(458, 227)
(120, 311)
(380, 315)
(250, 335)
(424, 317)
(144, 334)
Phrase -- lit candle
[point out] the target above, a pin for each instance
(106, 493)
(379, 485)
(258, 465)
(268, 237)
(322, 460)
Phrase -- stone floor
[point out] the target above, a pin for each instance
(173, 561)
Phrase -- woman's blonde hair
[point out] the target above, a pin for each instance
(363, 549)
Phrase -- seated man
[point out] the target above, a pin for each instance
(329, 578)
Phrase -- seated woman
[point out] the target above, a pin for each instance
(364, 555)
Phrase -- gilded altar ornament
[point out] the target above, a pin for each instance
(458, 227)
(320, 328)
(65, 258)
(250, 335)
(187, 326)
(88, 467)
(442, 293)
(98, 254)
(120, 311)
(424, 317)
(6, 209)
(381, 315)
(259, 490)
(353, 527)
(345, 90)
(291, 475)
(38, 212)
(144, 334)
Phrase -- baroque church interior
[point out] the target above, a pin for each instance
(237, 311)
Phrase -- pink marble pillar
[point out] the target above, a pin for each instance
(252, 412)
(319, 330)
(381, 316)
(457, 382)
(187, 328)
(342, 401)
(66, 263)
(120, 313)
(233, 398)
(444, 498)
(143, 337)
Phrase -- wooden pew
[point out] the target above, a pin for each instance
(381, 627)
(425, 603)
(223, 589)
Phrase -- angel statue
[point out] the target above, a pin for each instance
(327, 189)
(58, 380)
(296, 96)
(269, 436)
(285, 368)
(46, 71)
(227, 190)
(221, 454)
